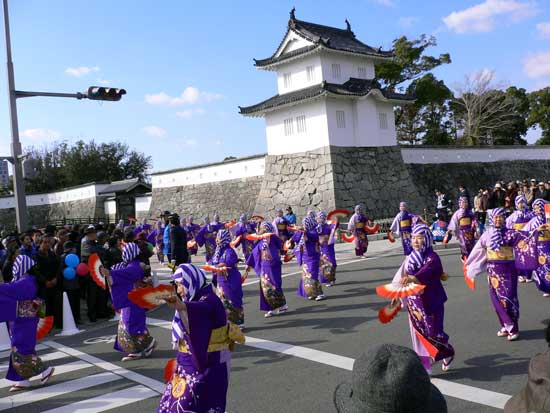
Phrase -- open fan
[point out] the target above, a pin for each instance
(94, 265)
(337, 214)
(215, 269)
(372, 229)
(257, 237)
(256, 218)
(287, 245)
(191, 244)
(288, 257)
(235, 241)
(347, 237)
(230, 224)
(399, 291)
(44, 326)
(169, 369)
(469, 282)
(430, 348)
(547, 213)
(388, 313)
(150, 297)
(391, 238)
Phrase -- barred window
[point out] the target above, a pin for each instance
(310, 73)
(362, 72)
(336, 71)
(301, 124)
(289, 127)
(383, 121)
(287, 78)
(340, 119)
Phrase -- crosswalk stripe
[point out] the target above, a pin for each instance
(61, 369)
(43, 393)
(107, 401)
(153, 384)
(6, 354)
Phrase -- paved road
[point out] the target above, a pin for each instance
(293, 362)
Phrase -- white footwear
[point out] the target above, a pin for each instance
(446, 364)
(320, 297)
(149, 350)
(310, 298)
(502, 332)
(132, 356)
(241, 326)
(521, 279)
(328, 285)
(283, 309)
(513, 337)
(46, 375)
(268, 314)
(332, 283)
(20, 385)
(528, 280)
(546, 295)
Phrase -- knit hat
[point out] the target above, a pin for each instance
(389, 379)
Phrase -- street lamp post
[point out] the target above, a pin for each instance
(93, 93)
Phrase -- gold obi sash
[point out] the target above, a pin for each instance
(405, 223)
(281, 226)
(544, 236)
(503, 254)
(360, 225)
(517, 227)
(465, 221)
(221, 338)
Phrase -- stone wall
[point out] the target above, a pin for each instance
(228, 198)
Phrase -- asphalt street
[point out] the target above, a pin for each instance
(293, 362)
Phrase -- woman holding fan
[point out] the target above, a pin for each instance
(426, 309)
(327, 234)
(542, 273)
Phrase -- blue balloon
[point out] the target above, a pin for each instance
(69, 273)
(72, 260)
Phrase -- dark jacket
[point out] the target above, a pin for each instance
(178, 244)
(498, 199)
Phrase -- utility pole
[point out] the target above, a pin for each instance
(16, 152)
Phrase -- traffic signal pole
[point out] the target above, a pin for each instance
(16, 151)
(93, 93)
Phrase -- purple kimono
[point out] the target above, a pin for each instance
(206, 237)
(462, 223)
(517, 220)
(327, 234)
(426, 310)
(192, 230)
(132, 336)
(244, 228)
(228, 286)
(402, 225)
(542, 273)
(18, 306)
(281, 228)
(310, 286)
(356, 227)
(266, 261)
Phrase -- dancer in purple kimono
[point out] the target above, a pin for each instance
(228, 283)
(494, 253)
(156, 237)
(244, 227)
(144, 226)
(356, 227)
(402, 225)
(426, 310)
(192, 229)
(327, 236)
(207, 237)
(216, 224)
(133, 338)
(463, 225)
(19, 305)
(309, 286)
(204, 341)
(281, 227)
(517, 221)
(266, 261)
(542, 273)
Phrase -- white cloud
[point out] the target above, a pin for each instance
(543, 30)
(407, 22)
(190, 142)
(218, 142)
(41, 134)
(190, 96)
(103, 82)
(481, 17)
(537, 65)
(189, 113)
(155, 131)
(386, 3)
(81, 71)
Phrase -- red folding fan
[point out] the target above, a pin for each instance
(257, 237)
(347, 237)
(94, 265)
(191, 244)
(388, 313)
(288, 257)
(430, 348)
(169, 369)
(150, 297)
(235, 241)
(230, 224)
(338, 213)
(399, 291)
(44, 326)
(372, 229)
(391, 238)
(215, 269)
(469, 282)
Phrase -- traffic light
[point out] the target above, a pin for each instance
(105, 93)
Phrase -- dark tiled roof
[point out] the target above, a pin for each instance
(324, 36)
(353, 87)
(124, 186)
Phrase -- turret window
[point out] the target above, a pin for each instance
(340, 119)
(287, 78)
(289, 127)
(336, 71)
(383, 121)
(301, 124)
(362, 72)
(310, 73)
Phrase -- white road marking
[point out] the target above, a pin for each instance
(61, 369)
(107, 401)
(113, 368)
(448, 388)
(6, 354)
(43, 393)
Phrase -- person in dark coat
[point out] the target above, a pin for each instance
(178, 241)
(498, 197)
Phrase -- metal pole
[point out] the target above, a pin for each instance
(18, 184)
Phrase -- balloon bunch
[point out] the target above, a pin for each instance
(74, 267)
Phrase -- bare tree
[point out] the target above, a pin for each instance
(482, 107)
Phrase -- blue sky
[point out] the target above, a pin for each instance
(188, 65)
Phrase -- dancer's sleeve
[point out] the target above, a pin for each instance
(395, 225)
(477, 260)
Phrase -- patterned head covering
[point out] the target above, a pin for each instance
(216, 218)
(243, 218)
(206, 220)
(183, 222)
(130, 252)
(497, 234)
(416, 258)
(144, 221)
(224, 236)
(358, 209)
(267, 226)
(21, 266)
(190, 219)
(322, 215)
(403, 204)
(520, 198)
(310, 213)
(309, 224)
(280, 213)
(193, 279)
(463, 202)
(538, 204)
(158, 224)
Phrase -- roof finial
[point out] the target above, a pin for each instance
(292, 15)
(348, 26)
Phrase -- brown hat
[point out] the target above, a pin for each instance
(535, 397)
